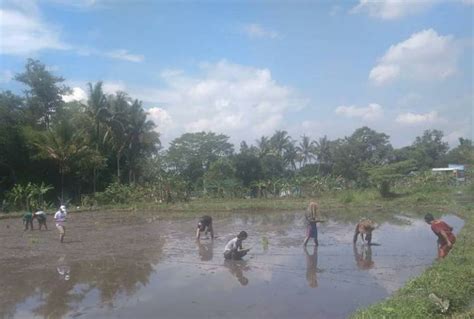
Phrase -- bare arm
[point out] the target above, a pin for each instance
(198, 233)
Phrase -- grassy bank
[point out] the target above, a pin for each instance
(450, 279)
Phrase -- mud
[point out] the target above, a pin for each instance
(137, 266)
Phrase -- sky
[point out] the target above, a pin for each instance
(248, 68)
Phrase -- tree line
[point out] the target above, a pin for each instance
(107, 143)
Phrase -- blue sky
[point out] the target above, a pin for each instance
(248, 68)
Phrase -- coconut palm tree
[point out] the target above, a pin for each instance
(279, 142)
(306, 150)
(323, 150)
(263, 145)
(143, 140)
(63, 144)
(97, 109)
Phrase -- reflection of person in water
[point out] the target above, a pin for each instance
(236, 268)
(63, 269)
(312, 267)
(363, 257)
(205, 250)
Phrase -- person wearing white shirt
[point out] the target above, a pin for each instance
(233, 249)
(60, 219)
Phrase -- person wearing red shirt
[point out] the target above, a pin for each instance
(446, 238)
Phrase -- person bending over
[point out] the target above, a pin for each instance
(204, 224)
(446, 238)
(41, 217)
(364, 227)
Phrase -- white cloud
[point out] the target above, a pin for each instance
(371, 112)
(78, 94)
(254, 30)
(392, 9)
(113, 87)
(424, 56)
(124, 55)
(418, 118)
(6, 76)
(242, 102)
(22, 33)
(161, 118)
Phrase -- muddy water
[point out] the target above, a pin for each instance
(155, 269)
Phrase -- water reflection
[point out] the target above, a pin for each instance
(237, 268)
(311, 266)
(63, 268)
(363, 256)
(61, 288)
(206, 250)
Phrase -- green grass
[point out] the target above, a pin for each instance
(451, 278)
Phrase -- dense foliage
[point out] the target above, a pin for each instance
(105, 150)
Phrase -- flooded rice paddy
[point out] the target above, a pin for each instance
(137, 266)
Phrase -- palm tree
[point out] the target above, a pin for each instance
(97, 109)
(143, 140)
(306, 150)
(263, 145)
(323, 150)
(279, 142)
(118, 126)
(63, 144)
(290, 156)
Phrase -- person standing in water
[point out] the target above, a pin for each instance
(446, 238)
(28, 220)
(60, 219)
(204, 224)
(364, 227)
(311, 223)
(233, 249)
(41, 217)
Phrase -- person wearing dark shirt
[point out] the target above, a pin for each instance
(204, 224)
(446, 238)
(28, 220)
(41, 217)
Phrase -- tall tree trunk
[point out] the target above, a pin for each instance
(94, 180)
(62, 185)
(118, 167)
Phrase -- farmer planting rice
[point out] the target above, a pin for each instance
(204, 225)
(446, 238)
(28, 220)
(364, 227)
(60, 219)
(41, 217)
(233, 249)
(311, 223)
